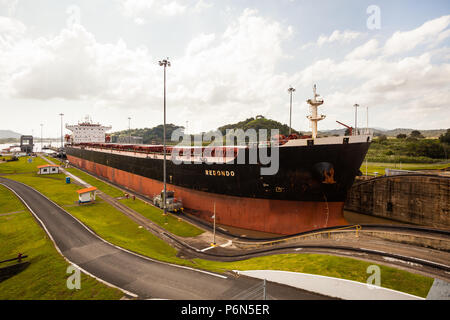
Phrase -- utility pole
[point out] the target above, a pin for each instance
(367, 119)
(41, 136)
(165, 63)
(356, 118)
(61, 114)
(290, 91)
(214, 228)
(129, 129)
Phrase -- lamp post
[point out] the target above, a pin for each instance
(129, 129)
(356, 118)
(165, 63)
(41, 136)
(290, 91)
(61, 114)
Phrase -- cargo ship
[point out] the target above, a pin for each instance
(307, 191)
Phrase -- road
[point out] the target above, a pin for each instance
(138, 275)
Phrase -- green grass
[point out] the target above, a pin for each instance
(380, 167)
(169, 222)
(180, 228)
(22, 165)
(45, 277)
(332, 266)
(108, 222)
(115, 227)
(9, 202)
(104, 187)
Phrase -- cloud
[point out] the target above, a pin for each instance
(10, 6)
(370, 48)
(226, 76)
(336, 36)
(431, 32)
(225, 70)
(141, 10)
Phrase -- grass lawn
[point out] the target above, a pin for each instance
(332, 266)
(45, 277)
(180, 228)
(115, 227)
(106, 188)
(9, 202)
(380, 167)
(22, 165)
(108, 222)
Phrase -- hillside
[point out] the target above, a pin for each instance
(154, 135)
(6, 134)
(150, 135)
(258, 123)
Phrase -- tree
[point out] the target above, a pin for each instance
(445, 138)
(416, 134)
(382, 138)
(401, 136)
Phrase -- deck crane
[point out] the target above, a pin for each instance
(350, 129)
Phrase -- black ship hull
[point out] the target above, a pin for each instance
(307, 192)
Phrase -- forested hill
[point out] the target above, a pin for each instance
(150, 135)
(154, 135)
(258, 123)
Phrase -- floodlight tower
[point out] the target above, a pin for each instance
(290, 91)
(129, 129)
(314, 117)
(164, 63)
(61, 114)
(356, 118)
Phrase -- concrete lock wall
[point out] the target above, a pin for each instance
(418, 199)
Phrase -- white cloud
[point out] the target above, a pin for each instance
(223, 76)
(370, 48)
(10, 6)
(431, 32)
(336, 36)
(226, 71)
(141, 10)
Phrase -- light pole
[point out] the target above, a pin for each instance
(61, 114)
(41, 136)
(165, 63)
(129, 129)
(290, 91)
(356, 118)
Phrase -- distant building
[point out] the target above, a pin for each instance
(48, 169)
(88, 132)
(130, 140)
(26, 144)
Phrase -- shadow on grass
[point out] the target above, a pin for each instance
(10, 271)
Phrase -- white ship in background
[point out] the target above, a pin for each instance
(88, 131)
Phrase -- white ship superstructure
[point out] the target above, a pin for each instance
(88, 132)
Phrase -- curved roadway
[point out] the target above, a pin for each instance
(130, 272)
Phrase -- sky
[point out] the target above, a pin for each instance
(230, 60)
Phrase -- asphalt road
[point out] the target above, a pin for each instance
(141, 276)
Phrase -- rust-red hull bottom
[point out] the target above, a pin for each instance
(272, 216)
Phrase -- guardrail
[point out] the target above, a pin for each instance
(19, 258)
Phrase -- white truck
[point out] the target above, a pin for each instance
(172, 203)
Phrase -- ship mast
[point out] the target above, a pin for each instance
(314, 117)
